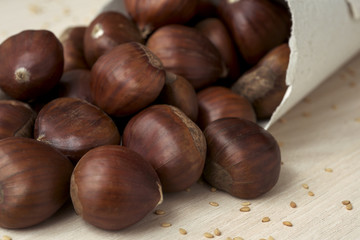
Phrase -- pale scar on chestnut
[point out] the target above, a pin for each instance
(22, 75)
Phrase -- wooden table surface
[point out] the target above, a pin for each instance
(320, 134)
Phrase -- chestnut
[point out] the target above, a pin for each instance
(34, 182)
(113, 187)
(76, 84)
(28, 69)
(180, 93)
(126, 79)
(187, 52)
(216, 32)
(72, 39)
(220, 102)
(174, 145)
(16, 119)
(152, 14)
(264, 85)
(257, 26)
(106, 31)
(243, 159)
(74, 126)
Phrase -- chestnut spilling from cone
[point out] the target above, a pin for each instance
(112, 114)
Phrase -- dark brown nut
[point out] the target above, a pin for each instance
(127, 79)
(75, 84)
(186, 52)
(16, 119)
(216, 32)
(243, 159)
(152, 14)
(180, 93)
(264, 85)
(220, 102)
(106, 31)
(171, 142)
(74, 126)
(28, 68)
(257, 26)
(72, 40)
(34, 182)
(113, 187)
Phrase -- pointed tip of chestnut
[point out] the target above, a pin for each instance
(26, 78)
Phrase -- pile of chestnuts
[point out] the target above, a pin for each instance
(113, 114)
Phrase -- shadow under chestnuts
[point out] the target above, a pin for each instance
(134, 105)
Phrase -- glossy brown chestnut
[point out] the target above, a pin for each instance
(216, 32)
(105, 32)
(72, 40)
(219, 102)
(74, 126)
(173, 144)
(264, 85)
(113, 187)
(28, 68)
(152, 14)
(186, 52)
(16, 119)
(126, 79)
(34, 182)
(180, 93)
(243, 159)
(76, 84)
(257, 26)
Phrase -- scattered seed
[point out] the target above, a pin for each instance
(245, 209)
(282, 120)
(217, 232)
(351, 72)
(334, 106)
(262, 239)
(305, 186)
(35, 9)
(352, 84)
(271, 238)
(214, 204)
(187, 190)
(307, 100)
(238, 238)
(311, 194)
(182, 231)
(306, 114)
(282, 163)
(328, 170)
(166, 224)
(345, 202)
(265, 219)
(159, 212)
(349, 206)
(281, 144)
(357, 119)
(229, 238)
(287, 223)
(246, 203)
(293, 204)
(5, 237)
(213, 189)
(208, 235)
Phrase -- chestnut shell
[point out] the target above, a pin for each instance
(126, 79)
(220, 102)
(113, 187)
(108, 30)
(187, 52)
(74, 126)
(28, 69)
(34, 182)
(16, 119)
(171, 142)
(243, 159)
